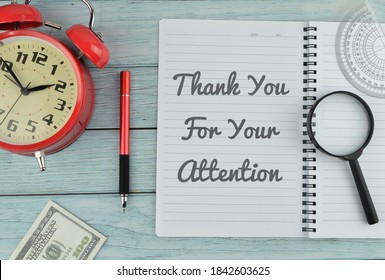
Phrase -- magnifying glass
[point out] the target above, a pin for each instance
(341, 124)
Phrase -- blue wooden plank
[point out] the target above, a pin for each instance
(131, 27)
(143, 97)
(90, 165)
(131, 235)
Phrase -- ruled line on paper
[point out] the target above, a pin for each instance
(231, 62)
(243, 96)
(222, 53)
(231, 221)
(231, 204)
(231, 46)
(249, 119)
(235, 112)
(230, 35)
(229, 212)
(226, 103)
(227, 153)
(232, 162)
(280, 71)
(222, 187)
(229, 145)
(232, 195)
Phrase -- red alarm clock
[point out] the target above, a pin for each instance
(46, 93)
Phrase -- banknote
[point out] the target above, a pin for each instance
(58, 235)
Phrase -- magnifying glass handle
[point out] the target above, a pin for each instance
(366, 200)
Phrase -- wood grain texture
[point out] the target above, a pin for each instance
(83, 178)
(131, 235)
(90, 165)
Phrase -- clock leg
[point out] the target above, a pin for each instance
(40, 156)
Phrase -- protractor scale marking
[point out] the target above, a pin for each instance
(361, 51)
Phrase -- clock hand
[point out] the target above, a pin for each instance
(9, 78)
(14, 104)
(29, 90)
(39, 88)
(9, 69)
(21, 94)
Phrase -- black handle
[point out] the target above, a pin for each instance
(124, 174)
(366, 200)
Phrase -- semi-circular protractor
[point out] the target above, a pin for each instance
(360, 44)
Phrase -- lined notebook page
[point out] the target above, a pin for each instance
(229, 128)
(339, 210)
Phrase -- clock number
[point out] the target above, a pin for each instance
(48, 119)
(39, 58)
(60, 86)
(12, 125)
(21, 57)
(61, 104)
(3, 66)
(32, 125)
(54, 68)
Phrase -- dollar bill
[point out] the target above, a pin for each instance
(58, 235)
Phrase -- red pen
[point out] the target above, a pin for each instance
(124, 158)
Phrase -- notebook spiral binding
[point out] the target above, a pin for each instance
(309, 205)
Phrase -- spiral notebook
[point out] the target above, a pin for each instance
(233, 157)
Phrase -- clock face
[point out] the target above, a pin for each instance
(38, 90)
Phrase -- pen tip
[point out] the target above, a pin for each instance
(123, 198)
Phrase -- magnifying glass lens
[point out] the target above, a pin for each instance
(341, 124)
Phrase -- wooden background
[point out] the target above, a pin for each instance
(84, 177)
